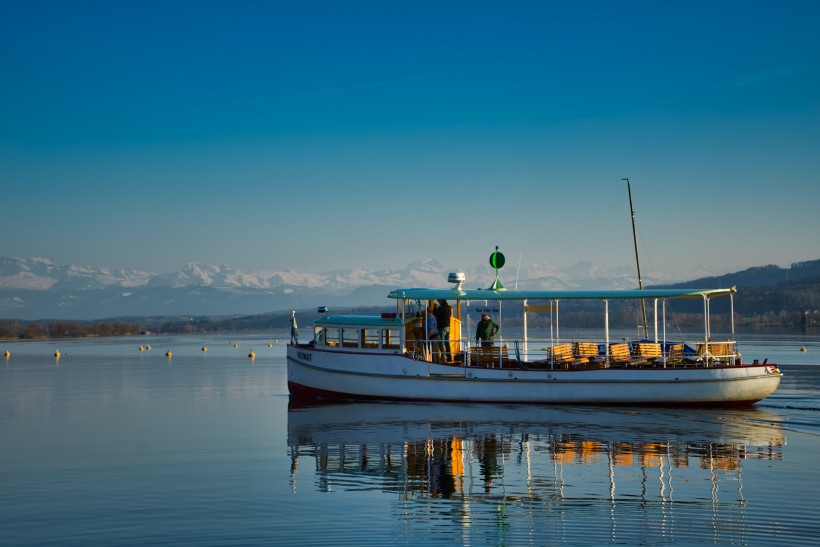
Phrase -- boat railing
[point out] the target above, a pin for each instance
(469, 352)
(563, 354)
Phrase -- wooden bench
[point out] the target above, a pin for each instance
(620, 354)
(675, 356)
(563, 357)
(651, 350)
(489, 357)
(560, 353)
(587, 350)
(675, 352)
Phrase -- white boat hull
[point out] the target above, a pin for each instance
(361, 375)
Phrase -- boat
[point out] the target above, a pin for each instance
(390, 356)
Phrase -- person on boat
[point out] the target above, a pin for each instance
(485, 331)
(443, 313)
(432, 331)
(294, 333)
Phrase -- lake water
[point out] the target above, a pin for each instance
(109, 445)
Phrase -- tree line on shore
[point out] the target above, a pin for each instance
(11, 329)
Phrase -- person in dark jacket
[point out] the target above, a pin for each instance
(485, 331)
(443, 313)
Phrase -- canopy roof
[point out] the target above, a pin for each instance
(488, 294)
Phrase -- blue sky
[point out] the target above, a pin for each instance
(324, 135)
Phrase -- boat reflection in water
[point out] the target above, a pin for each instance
(653, 472)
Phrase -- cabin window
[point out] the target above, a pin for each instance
(318, 336)
(350, 338)
(391, 339)
(332, 336)
(370, 338)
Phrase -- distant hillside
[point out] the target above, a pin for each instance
(756, 276)
(768, 295)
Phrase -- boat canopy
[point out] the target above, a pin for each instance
(489, 294)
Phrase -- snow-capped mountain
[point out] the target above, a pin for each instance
(40, 274)
(36, 288)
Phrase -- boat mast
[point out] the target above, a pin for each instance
(637, 259)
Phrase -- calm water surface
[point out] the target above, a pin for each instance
(109, 445)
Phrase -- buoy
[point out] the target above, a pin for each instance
(57, 354)
(802, 348)
(270, 345)
(142, 348)
(8, 354)
(168, 354)
(251, 354)
(148, 347)
(235, 345)
(204, 348)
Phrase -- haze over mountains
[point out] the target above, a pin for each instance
(37, 288)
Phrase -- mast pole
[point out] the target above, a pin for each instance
(637, 258)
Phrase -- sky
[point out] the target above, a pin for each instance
(317, 136)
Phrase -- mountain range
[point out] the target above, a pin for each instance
(37, 288)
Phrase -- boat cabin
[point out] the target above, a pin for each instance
(359, 333)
